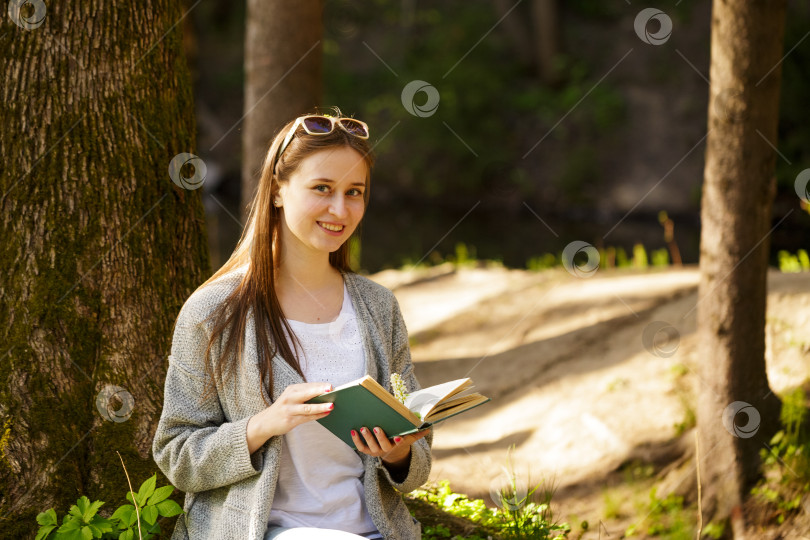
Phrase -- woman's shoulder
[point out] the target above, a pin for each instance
(372, 292)
(203, 301)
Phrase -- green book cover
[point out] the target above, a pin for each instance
(356, 407)
(366, 403)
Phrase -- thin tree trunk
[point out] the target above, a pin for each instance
(547, 41)
(99, 248)
(283, 76)
(515, 29)
(533, 35)
(738, 192)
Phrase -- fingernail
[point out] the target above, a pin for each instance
(331, 406)
(362, 430)
(354, 433)
(376, 430)
(397, 439)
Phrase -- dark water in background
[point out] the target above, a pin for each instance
(390, 236)
(394, 233)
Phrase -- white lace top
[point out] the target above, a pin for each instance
(320, 478)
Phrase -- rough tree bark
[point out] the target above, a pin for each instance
(100, 248)
(738, 191)
(283, 76)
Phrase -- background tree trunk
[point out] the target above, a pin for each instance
(738, 191)
(547, 41)
(100, 248)
(533, 34)
(515, 29)
(283, 76)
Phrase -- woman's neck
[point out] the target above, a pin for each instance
(308, 273)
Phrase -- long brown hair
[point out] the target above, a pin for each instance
(258, 248)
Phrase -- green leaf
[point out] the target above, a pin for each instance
(87, 534)
(48, 517)
(69, 525)
(146, 490)
(161, 494)
(78, 509)
(44, 531)
(127, 535)
(150, 514)
(125, 514)
(90, 511)
(102, 524)
(83, 502)
(169, 508)
(73, 535)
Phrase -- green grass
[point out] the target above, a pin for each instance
(786, 461)
(518, 515)
(789, 263)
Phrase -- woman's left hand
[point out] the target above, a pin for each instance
(375, 443)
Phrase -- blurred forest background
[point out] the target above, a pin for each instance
(616, 117)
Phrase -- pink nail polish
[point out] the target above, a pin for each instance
(354, 433)
(397, 439)
(331, 406)
(376, 430)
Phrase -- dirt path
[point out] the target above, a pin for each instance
(574, 385)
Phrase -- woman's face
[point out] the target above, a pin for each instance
(322, 202)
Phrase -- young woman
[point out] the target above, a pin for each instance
(284, 320)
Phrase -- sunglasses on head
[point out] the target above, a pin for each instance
(316, 124)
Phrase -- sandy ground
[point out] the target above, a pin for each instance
(580, 381)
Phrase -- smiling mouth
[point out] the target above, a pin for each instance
(330, 227)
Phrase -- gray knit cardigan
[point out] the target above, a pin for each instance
(202, 447)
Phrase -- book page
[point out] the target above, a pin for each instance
(465, 404)
(423, 401)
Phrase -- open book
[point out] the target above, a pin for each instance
(364, 402)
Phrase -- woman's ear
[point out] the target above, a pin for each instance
(278, 197)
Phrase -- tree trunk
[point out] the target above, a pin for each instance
(100, 248)
(283, 76)
(515, 30)
(738, 191)
(547, 41)
(533, 35)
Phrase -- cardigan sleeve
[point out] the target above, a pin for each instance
(194, 444)
(420, 463)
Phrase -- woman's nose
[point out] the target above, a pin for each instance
(338, 206)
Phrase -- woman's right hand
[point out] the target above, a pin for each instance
(286, 412)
